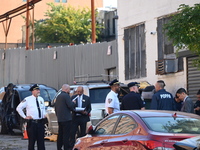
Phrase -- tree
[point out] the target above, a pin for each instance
(184, 29)
(65, 25)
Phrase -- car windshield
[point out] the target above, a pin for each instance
(46, 94)
(98, 95)
(173, 125)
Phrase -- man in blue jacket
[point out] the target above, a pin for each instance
(162, 100)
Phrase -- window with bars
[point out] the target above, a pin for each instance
(135, 52)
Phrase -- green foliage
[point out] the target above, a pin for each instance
(65, 25)
(184, 29)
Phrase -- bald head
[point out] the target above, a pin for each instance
(79, 90)
(66, 88)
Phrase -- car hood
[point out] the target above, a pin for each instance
(188, 144)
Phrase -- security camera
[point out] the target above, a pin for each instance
(153, 32)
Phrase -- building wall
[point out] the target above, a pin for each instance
(15, 33)
(144, 11)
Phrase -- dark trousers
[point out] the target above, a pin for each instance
(35, 133)
(78, 121)
(63, 135)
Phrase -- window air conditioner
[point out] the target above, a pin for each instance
(166, 66)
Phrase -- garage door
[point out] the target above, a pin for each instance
(193, 78)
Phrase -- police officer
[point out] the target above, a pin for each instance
(35, 114)
(112, 101)
(132, 101)
(162, 100)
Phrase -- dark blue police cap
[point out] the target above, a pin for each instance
(34, 87)
(114, 82)
(133, 84)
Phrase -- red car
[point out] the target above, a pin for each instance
(140, 130)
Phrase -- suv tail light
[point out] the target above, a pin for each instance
(155, 145)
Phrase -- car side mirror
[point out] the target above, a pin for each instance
(90, 130)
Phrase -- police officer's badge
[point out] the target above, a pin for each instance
(109, 100)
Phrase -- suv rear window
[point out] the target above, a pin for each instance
(46, 94)
(173, 125)
(98, 95)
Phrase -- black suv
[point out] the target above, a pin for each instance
(14, 94)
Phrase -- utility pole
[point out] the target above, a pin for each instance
(27, 25)
(93, 22)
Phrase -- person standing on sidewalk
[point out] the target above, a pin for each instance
(187, 105)
(197, 104)
(63, 108)
(112, 102)
(132, 100)
(80, 118)
(162, 100)
(35, 114)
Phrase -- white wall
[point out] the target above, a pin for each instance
(110, 3)
(132, 12)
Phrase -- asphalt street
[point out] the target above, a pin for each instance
(15, 142)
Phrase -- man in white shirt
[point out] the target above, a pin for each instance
(35, 114)
(112, 101)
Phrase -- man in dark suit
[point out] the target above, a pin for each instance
(81, 114)
(63, 108)
(187, 105)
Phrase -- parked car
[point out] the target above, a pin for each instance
(97, 93)
(14, 94)
(188, 144)
(140, 130)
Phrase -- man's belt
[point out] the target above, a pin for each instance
(37, 120)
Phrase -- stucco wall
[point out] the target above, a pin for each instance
(132, 12)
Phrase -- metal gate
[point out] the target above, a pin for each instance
(193, 78)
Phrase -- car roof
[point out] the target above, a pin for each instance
(95, 85)
(25, 87)
(162, 113)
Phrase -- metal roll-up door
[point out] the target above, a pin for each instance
(193, 78)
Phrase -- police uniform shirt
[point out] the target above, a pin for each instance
(31, 107)
(112, 101)
(132, 101)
